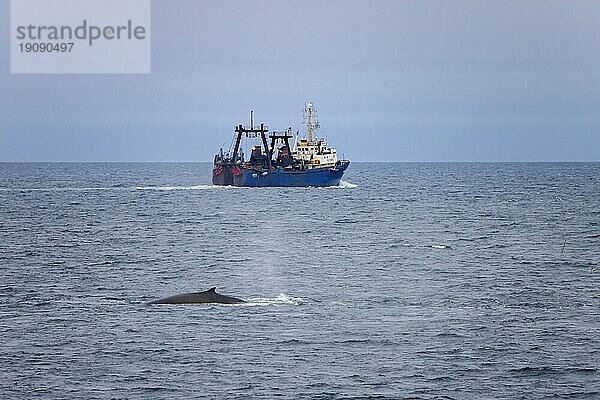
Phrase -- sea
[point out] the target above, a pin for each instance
(407, 281)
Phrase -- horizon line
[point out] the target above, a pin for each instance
(356, 162)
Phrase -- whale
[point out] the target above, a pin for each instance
(208, 296)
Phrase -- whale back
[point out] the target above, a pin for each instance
(208, 296)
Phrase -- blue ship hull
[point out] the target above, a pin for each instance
(327, 176)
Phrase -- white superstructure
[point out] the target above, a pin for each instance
(313, 151)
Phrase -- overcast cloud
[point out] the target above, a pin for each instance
(393, 81)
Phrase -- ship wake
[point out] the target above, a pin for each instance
(343, 185)
(169, 188)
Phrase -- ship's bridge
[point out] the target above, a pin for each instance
(315, 153)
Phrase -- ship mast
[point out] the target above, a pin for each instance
(310, 118)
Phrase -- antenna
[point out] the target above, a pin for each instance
(251, 119)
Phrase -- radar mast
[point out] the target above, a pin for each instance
(310, 116)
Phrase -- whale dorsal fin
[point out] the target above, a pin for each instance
(212, 289)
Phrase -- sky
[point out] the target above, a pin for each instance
(392, 81)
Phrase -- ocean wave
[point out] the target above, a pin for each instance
(472, 239)
(345, 221)
(537, 371)
(450, 335)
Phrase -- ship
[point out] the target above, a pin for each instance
(274, 162)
